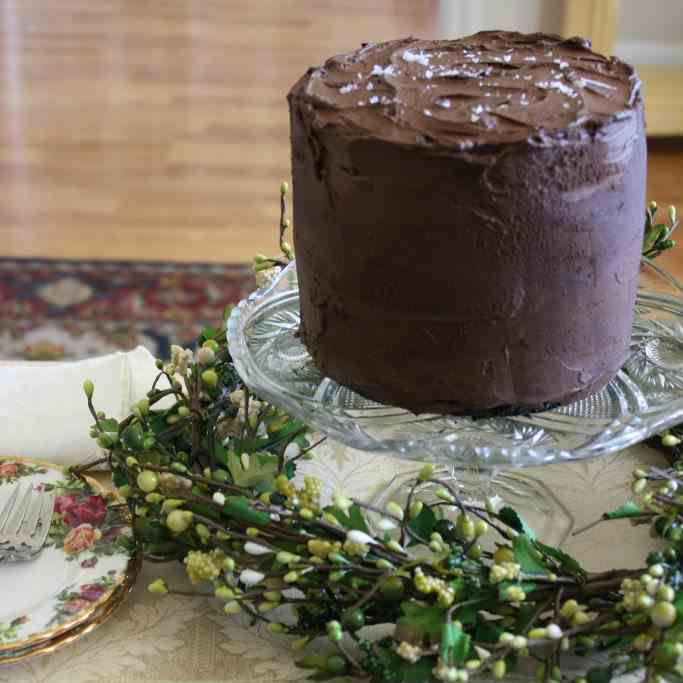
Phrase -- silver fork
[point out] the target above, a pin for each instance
(24, 524)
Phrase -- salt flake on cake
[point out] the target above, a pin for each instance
(419, 57)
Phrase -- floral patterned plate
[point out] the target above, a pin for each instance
(90, 553)
(96, 619)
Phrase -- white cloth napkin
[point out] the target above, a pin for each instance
(43, 410)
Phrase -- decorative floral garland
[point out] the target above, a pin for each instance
(210, 479)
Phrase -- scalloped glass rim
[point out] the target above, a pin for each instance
(644, 398)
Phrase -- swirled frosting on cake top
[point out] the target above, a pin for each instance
(489, 88)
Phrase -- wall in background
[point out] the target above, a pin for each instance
(462, 17)
(651, 33)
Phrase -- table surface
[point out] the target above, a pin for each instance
(173, 638)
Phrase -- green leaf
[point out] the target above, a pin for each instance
(629, 509)
(527, 556)
(487, 632)
(109, 425)
(289, 470)
(600, 674)
(423, 524)
(220, 453)
(288, 429)
(354, 520)
(207, 333)
(151, 532)
(455, 644)
(566, 562)
(119, 478)
(407, 672)
(524, 617)
(678, 604)
(417, 673)
(261, 473)
(514, 521)
(249, 445)
(424, 620)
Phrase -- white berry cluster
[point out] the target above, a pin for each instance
(515, 594)
(237, 398)
(449, 673)
(180, 360)
(651, 595)
(200, 566)
(411, 653)
(504, 571)
(513, 641)
(575, 614)
(431, 584)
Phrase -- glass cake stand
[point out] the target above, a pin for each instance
(483, 456)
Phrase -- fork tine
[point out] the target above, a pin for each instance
(46, 510)
(17, 518)
(7, 509)
(32, 517)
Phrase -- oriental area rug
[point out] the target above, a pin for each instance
(66, 310)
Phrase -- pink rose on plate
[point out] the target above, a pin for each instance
(76, 605)
(8, 470)
(92, 592)
(80, 538)
(64, 503)
(90, 510)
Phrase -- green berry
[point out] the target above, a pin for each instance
(663, 614)
(211, 344)
(498, 669)
(210, 378)
(105, 441)
(415, 509)
(179, 520)
(354, 619)
(480, 527)
(475, 552)
(148, 481)
(224, 593)
(158, 586)
(426, 472)
(655, 557)
(335, 664)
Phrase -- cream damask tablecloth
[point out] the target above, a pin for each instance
(175, 638)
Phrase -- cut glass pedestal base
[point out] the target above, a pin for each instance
(530, 497)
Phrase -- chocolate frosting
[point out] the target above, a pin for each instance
(476, 256)
(492, 87)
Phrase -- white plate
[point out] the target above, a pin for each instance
(89, 554)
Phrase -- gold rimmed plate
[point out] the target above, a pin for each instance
(99, 617)
(90, 556)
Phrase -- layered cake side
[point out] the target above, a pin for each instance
(468, 219)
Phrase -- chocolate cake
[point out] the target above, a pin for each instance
(468, 219)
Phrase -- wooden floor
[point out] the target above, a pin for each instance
(158, 129)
